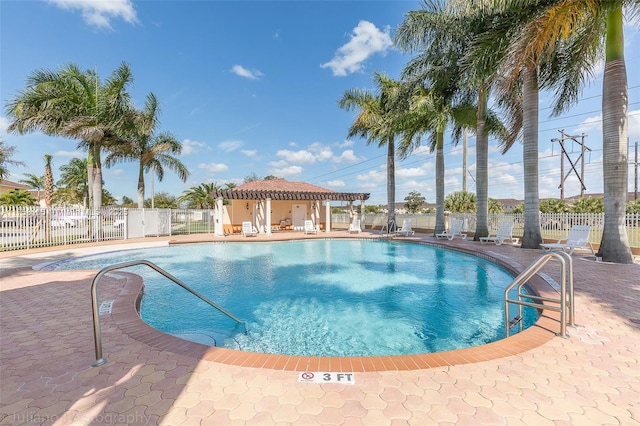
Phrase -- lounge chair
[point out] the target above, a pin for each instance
(354, 226)
(309, 227)
(455, 230)
(406, 228)
(248, 229)
(504, 233)
(578, 238)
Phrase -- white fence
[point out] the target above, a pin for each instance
(30, 227)
(553, 226)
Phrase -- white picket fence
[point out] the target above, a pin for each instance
(30, 227)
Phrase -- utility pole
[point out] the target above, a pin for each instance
(564, 153)
(635, 192)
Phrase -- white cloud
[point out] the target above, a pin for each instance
(297, 157)
(189, 146)
(373, 176)
(316, 152)
(229, 146)
(278, 164)
(336, 183)
(634, 126)
(249, 152)
(69, 154)
(117, 172)
(346, 144)
(423, 170)
(347, 156)
(287, 171)
(589, 125)
(100, 13)
(4, 125)
(214, 167)
(366, 40)
(243, 72)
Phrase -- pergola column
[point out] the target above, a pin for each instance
(327, 215)
(268, 217)
(218, 224)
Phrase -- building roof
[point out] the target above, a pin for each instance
(280, 189)
(14, 185)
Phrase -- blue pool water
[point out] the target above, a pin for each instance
(322, 297)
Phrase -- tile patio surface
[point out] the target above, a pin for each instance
(533, 378)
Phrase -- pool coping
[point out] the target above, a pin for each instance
(125, 315)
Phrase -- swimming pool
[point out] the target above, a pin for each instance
(322, 297)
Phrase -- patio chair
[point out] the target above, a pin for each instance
(354, 226)
(248, 229)
(578, 238)
(455, 230)
(406, 228)
(309, 227)
(504, 233)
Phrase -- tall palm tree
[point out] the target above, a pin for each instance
(74, 177)
(48, 181)
(588, 29)
(441, 38)
(430, 113)
(153, 152)
(377, 123)
(48, 194)
(76, 104)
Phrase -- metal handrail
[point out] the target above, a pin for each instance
(94, 301)
(566, 292)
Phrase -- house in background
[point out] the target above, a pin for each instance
(278, 204)
(8, 186)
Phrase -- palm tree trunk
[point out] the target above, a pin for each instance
(614, 246)
(141, 187)
(391, 181)
(532, 236)
(440, 225)
(482, 175)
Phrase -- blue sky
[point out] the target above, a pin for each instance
(252, 87)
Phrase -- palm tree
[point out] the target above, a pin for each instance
(48, 181)
(590, 29)
(376, 122)
(17, 197)
(74, 177)
(441, 38)
(6, 152)
(34, 181)
(461, 202)
(587, 205)
(428, 113)
(200, 196)
(153, 152)
(48, 194)
(75, 104)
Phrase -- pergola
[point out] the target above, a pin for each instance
(261, 193)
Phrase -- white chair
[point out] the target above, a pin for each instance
(406, 228)
(455, 230)
(504, 233)
(578, 238)
(248, 229)
(309, 227)
(354, 226)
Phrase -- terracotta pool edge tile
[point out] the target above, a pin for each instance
(128, 320)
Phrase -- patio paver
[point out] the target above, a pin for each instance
(46, 348)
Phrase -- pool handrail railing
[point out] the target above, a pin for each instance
(94, 301)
